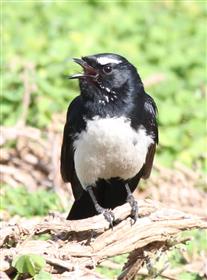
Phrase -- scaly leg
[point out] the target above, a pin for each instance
(108, 215)
(133, 203)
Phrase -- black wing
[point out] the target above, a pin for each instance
(151, 122)
(67, 152)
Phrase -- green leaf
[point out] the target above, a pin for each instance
(43, 275)
(30, 263)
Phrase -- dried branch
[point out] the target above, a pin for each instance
(86, 243)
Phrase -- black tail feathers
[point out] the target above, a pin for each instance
(82, 208)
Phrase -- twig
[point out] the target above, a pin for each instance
(28, 89)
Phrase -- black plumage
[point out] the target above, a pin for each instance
(110, 87)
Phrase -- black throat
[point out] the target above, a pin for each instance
(105, 102)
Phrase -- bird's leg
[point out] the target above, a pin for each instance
(133, 203)
(108, 215)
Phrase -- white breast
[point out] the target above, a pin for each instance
(109, 148)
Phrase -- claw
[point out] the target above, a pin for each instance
(134, 211)
(109, 216)
(134, 208)
(133, 203)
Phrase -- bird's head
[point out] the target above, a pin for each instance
(107, 73)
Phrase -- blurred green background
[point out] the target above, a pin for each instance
(159, 37)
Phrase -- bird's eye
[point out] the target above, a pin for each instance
(107, 69)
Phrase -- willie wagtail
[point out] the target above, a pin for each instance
(110, 137)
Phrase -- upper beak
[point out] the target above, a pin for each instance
(89, 71)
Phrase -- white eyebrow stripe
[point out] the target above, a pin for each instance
(105, 60)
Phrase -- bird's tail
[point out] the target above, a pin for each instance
(82, 208)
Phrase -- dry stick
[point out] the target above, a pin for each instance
(90, 241)
(13, 133)
(20, 176)
(198, 267)
(138, 257)
(28, 89)
(135, 261)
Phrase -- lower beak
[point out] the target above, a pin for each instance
(89, 71)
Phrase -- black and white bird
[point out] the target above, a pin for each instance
(110, 137)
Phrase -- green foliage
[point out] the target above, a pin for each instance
(157, 36)
(31, 264)
(190, 276)
(196, 247)
(112, 273)
(21, 202)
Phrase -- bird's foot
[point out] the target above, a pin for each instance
(108, 214)
(134, 207)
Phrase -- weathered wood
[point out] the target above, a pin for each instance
(86, 243)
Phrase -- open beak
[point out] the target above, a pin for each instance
(89, 71)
